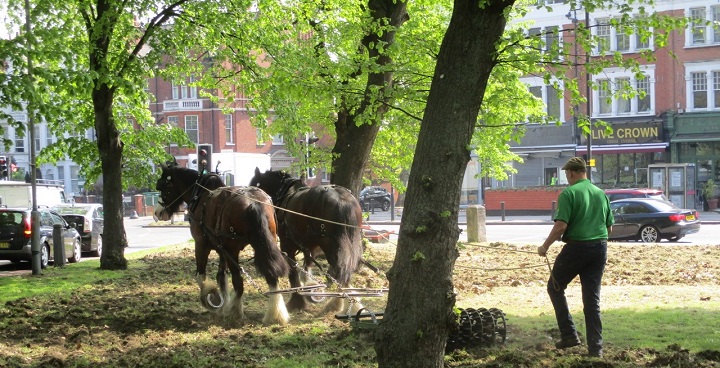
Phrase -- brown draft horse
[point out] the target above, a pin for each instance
(313, 220)
(226, 219)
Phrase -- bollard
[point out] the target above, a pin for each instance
(476, 231)
(502, 211)
(58, 246)
(553, 206)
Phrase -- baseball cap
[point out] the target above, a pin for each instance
(575, 163)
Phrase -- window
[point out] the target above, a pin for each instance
(643, 90)
(716, 88)
(553, 102)
(623, 84)
(75, 179)
(621, 92)
(603, 34)
(642, 38)
(702, 85)
(549, 95)
(703, 29)
(184, 91)
(19, 143)
(699, 88)
(38, 145)
(48, 136)
(191, 128)
(552, 38)
(173, 121)
(612, 36)
(697, 26)
(548, 38)
(622, 40)
(260, 138)
(605, 96)
(278, 140)
(229, 128)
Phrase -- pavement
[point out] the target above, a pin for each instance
(385, 218)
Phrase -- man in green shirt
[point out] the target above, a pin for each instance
(583, 221)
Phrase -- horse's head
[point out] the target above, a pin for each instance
(270, 182)
(171, 187)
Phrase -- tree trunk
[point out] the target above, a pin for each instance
(108, 137)
(419, 312)
(354, 143)
(111, 147)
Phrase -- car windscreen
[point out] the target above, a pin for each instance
(70, 210)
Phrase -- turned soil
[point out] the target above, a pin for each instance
(151, 316)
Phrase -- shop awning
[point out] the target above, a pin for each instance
(707, 137)
(625, 148)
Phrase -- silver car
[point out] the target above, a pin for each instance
(88, 219)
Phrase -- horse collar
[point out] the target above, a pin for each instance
(287, 184)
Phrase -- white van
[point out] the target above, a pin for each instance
(18, 194)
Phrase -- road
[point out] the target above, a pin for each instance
(529, 230)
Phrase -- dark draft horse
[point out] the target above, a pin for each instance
(226, 219)
(317, 220)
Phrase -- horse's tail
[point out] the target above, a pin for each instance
(350, 246)
(269, 261)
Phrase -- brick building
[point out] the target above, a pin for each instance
(677, 121)
(205, 123)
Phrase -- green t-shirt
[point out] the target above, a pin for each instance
(586, 210)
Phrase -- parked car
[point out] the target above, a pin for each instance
(374, 197)
(650, 220)
(16, 236)
(615, 194)
(89, 221)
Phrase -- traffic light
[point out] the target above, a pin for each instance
(3, 167)
(204, 160)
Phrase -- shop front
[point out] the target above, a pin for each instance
(695, 139)
(622, 155)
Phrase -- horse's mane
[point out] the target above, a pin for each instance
(281, 174)
(183, 174)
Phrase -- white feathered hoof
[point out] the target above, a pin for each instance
(211, 297)
(233, 312)
(334, 305)
(276, 313)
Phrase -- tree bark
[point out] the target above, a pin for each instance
(419, 312)
(108, 139)
(354, 142)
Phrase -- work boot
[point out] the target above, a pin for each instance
(595, 353)
(567, 342)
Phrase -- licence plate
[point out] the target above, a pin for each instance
(4, 245)
(690, 217)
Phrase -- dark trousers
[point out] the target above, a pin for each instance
(588, 261)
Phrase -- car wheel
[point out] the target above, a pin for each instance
(98, 252)
(649, 234)
(76, 252)
(386, 205)
(44, 255)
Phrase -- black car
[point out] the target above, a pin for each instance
(650, 220)
(16, 236)
(374, 197)
(89, 220)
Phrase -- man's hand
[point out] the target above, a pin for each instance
(542, 251)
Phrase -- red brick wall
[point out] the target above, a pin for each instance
(522, 200)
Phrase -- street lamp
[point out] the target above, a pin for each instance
(572, 15)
